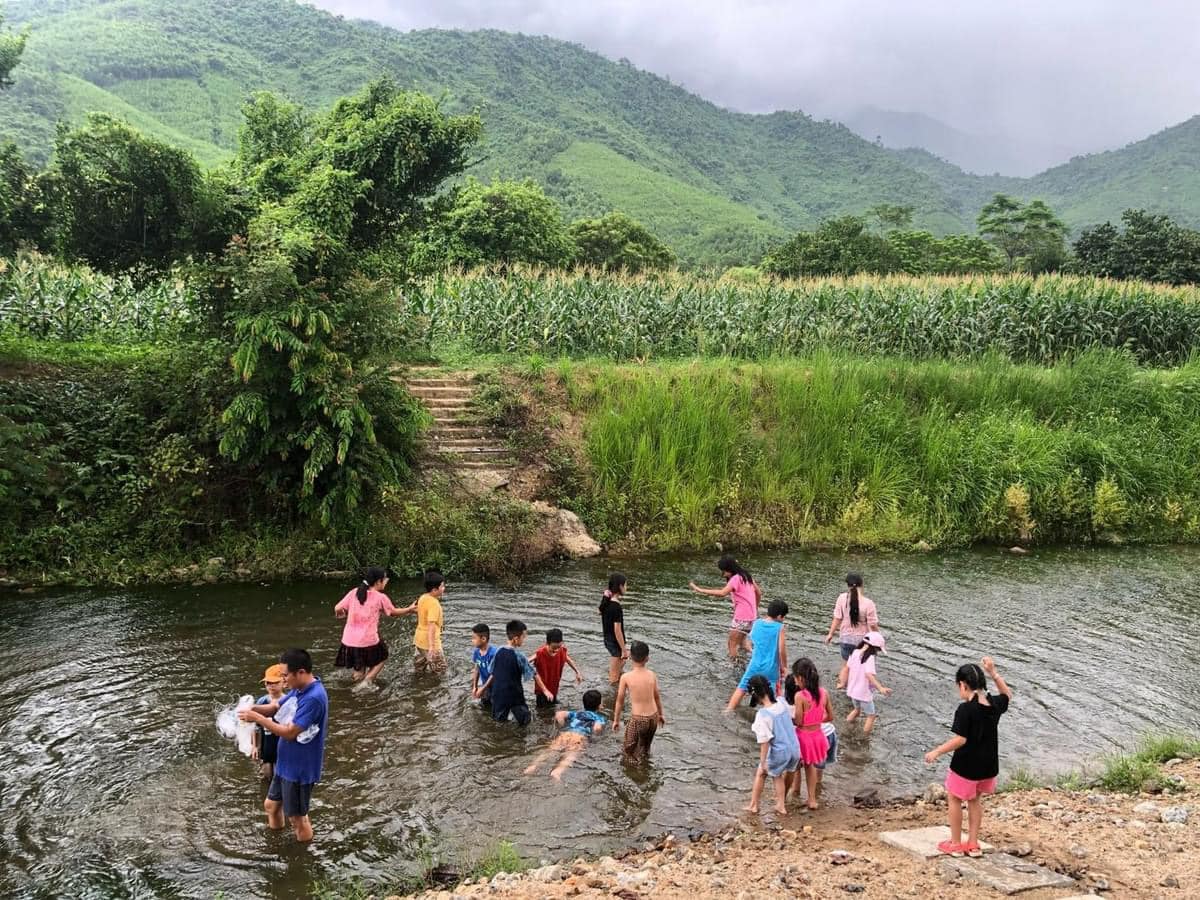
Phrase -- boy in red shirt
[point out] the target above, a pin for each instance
(549, 661)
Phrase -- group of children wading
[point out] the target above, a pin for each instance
(793, 722)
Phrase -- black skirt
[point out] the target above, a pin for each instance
(361, 657)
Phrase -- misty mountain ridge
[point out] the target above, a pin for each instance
(717, 185)
(990, 154)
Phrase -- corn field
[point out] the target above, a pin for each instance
(1027, 319)
(45, 299)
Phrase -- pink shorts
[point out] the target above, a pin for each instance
(966, 789)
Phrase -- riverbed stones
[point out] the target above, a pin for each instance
(1174, 815)
(1006, 873)
(920, 842)
(1146, 808)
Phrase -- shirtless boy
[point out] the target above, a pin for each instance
(647, 712)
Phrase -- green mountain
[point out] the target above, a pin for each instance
(599, 134)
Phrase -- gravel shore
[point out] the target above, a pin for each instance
(1117, 845)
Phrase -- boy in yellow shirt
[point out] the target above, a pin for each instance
(428, 636)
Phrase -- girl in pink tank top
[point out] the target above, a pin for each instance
(812, 709)
(744, 594)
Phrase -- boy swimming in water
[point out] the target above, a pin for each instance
(577, 729)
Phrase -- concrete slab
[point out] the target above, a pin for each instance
(921, 842)
(1006, 873)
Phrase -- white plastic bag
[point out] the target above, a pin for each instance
(245, 730)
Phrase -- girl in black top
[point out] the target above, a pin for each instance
(976, 748)
(612, 621)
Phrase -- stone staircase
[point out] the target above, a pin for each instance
(455, 442)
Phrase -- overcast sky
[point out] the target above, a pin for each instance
(1085, 74)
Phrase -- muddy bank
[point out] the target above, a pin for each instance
(1117, 845)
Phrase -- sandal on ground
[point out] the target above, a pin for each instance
(972, 850)
(950, 848)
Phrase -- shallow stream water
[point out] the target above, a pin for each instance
(116, 783)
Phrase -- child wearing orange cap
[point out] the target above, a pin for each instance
(265, 743)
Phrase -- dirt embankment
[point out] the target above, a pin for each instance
(1113, 844)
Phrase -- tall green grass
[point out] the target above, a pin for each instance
(873, 452)
(1024, 319)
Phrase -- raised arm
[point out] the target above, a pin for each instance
(989, 667)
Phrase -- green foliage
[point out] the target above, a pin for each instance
(505, 222)
(1151, 248)
(315, 333)
(882, 452)
(890, 216)
(502, 856)
(616, 242)
(1030, 236)
(23, 217)
(1027, 319)
(837, 247)
(11, 48)
(54, 301)
(121, 200)
(920, 253)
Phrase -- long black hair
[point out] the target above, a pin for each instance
(733, 567)
(868, 650)
(370, 578)
(804, 669)
(616, 585)
(854, 582)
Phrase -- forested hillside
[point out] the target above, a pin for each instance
(599, 134)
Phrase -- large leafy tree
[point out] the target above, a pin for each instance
(315, 328)
(1030, 236)
(121, 200)
(23, 218)
(1151, 247)
(843, 246)
(615, 241)
(922, 253)
(505, 222)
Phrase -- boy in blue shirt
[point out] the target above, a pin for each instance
(299, 721)
(577, 729)
(510, 668)
(481, 663)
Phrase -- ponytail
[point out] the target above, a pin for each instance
(866, 651)
(759, 687)
(616, 586)
(805, 670)
(854, 582)
(371, 577)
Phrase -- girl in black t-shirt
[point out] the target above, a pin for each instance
(612, 623)
(976, 748)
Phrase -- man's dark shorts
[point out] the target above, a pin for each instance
(295, 796)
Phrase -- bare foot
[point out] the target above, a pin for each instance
(781, 810)
(531, 770)
(556, 774)
(813, 807)
(750, 809)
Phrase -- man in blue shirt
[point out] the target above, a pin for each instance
(299, 720)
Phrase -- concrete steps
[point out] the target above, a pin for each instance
(455, 442)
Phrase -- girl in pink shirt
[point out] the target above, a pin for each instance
(362, 649)
(853, 616)
(745, 596)
(858, 678)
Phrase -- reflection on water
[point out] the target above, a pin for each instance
(116, 783)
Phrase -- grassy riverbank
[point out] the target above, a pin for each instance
(113, 473)
(834, 448)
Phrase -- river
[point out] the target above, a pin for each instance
(116, 783)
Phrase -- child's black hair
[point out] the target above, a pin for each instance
(616, 586)
(554, 636)
(515, 628)
(972, 676)
(758, 687)
(433, 580)
(591, 700)
(777, 609)
(868, 650)
(728, 564)
(854, 582)
(790, 690)
(805, 670)
(482, 630)
(371, 577)
(639, 651)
